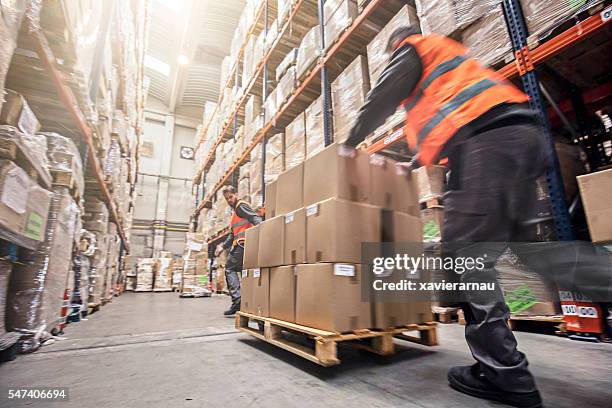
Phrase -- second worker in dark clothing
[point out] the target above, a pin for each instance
(462, 111)
(243, 217)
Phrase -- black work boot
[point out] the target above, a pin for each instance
(233, 309)
(471, 380)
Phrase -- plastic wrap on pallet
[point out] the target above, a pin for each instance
(247, 60)
(377, 57)
(315, 140)
(259, 49)
(271, 105)
(63, 155)
(468, 11)
(145, 273)
(487, 38)
(255, 174)
(288, 61)
(33, 146)
(252, 123)
(349, 92)
(271, 36)
(80, 292)
(163, 274)
(284, 9)
(275, 157)
(542, 16)
(95, 217)
(6, 268)
(437, 16)
(295, 141)
(285, 87)
(339, 20)
(308, 52)
(17, 112)
(37, 286)
(12, 15)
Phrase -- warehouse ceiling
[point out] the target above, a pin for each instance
(201, 31)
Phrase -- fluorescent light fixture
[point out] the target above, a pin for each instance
(183, 59)
(157, 65)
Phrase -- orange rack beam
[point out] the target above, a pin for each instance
(69, 101)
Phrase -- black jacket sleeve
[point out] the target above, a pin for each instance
(396, 83)
(245, 211)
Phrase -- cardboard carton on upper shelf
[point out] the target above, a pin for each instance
(251, 248)
(338, 19)
(270, 107)
(377, 58)
(308, 51)
(16, 112)
(289, 190)
(349, 93)
(275, 157)
(295, 237)
(437, 16)
(287, 62)
(285, 87)
(344, 177)
(271, 199)
(315, 141)
(295, 141)
(271, 242)
(282, 293)
(487, 38)
(596, 194)
(336, 228)
(328, 297)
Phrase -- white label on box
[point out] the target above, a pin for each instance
(256, 273)
(289, 218)
(569, 310)
(15, 191)
(312, 210)
(587, 311)
(566, 296)
(344, 270)
(195, 246)
(245, 273)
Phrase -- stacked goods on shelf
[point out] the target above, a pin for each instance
(308, 52)
(338, 16)
(542, 16)
(163, 273)
(194, 279)
(12, 15)
(244, 180)
(295, 142)
(65, 162)
(253, 120)
(145, 273)
(255, 172)
(349, 92)
(314, 127)
(275, 157)
(313, 245)
(38, 283)
(177, 273)
(6, 268)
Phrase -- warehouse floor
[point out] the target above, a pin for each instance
(157, 350)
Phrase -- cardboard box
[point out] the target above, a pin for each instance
(349, 92)
(391, 187)
(275, 157)
(246, 291)
(488, 39)
(16, 112)
(261, 292)
(328, 297)
(437, 16)
(295, 237)
(338, 20)
(14, 187)
(271, 242)
(336, 228)
(282, 293)
(251, 248)
(295, 141)
(37, 213)
(377, 58)
(289, 190)
(401, 227)
(308, 51)
(431, 181)
(596, 194)
(287, 62)
(271, 199)
(315, 140)
(285, 87)
(328, 174)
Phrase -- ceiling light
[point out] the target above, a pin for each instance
(183, 59)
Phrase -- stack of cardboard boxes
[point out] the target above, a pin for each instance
(145, 274)
(163, 272)
(304, 264)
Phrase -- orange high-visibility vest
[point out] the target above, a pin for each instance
(239, 226)
(454, 90)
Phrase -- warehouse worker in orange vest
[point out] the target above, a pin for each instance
(460, 110)
(243, 218)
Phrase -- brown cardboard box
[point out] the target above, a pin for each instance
(406, 227)
(308, 51)
(295, 237)
(295, 141)
(14, 187)
(16, 112)
(392, 188)
(336, 228)
(328, 297)
(251, 248)
(271, 242)
(596, 194)
(338, 20)
(282, 293)
(246, 291)
(289, 190)
(349, 92)
(261, 292)
(271, 199)
(37, 213)
(315, 141)
(430, 181)
(327, 175)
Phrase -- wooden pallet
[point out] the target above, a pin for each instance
(66, 179)
(431, 202)
(537, 324)
(162, 290)
(445, 314)
(195, 294)
(325, 348)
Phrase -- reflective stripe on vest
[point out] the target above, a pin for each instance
(453, 91)
(239, 226)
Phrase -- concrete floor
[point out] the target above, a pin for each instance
(156, 350)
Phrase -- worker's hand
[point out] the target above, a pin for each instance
(404, 167)
(347, 151)
(219, 249)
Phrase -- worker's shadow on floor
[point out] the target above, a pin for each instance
(351, 357)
